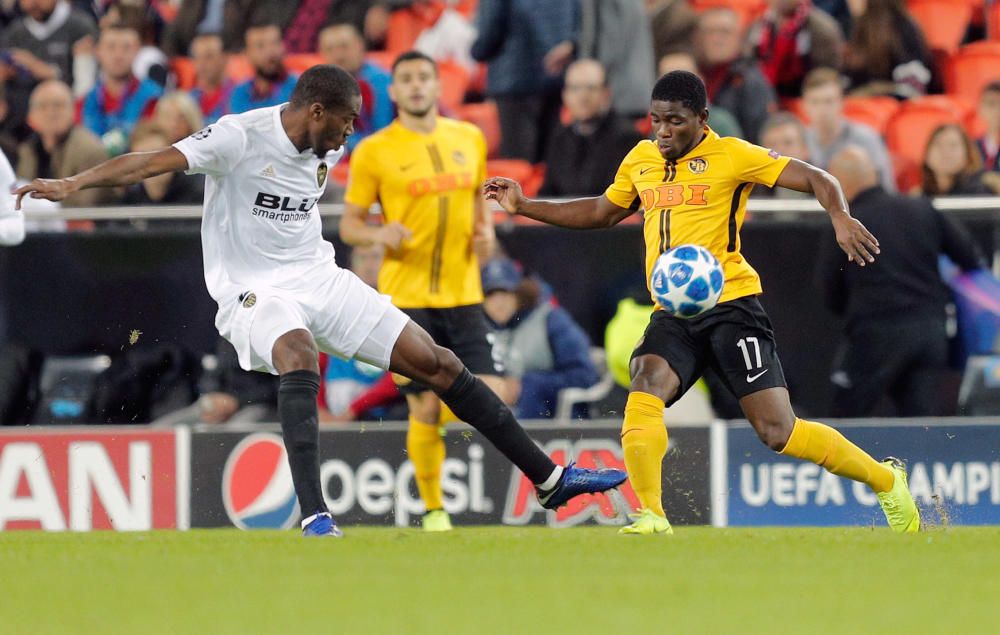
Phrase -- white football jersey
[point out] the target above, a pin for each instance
(11, 220)
(261, 223)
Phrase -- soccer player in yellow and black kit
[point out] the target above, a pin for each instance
(692, 186)
(426, 171)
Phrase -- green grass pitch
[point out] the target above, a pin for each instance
(503, 580)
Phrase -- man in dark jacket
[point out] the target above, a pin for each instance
(584, 155)
(895, 307)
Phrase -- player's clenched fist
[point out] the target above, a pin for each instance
(51, 189)
(392, 235)
(506, 192)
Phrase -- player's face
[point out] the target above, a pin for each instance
(676, 127)
(329, 129)
(415, 87)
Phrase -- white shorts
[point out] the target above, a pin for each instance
(345, 316)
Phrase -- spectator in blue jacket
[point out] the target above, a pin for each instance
(119, 100)
(526, 45)
(272, 84)
(343, 45)
(541, 347)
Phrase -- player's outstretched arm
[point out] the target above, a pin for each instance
(853, 237)
(582, 213)
(124, 170)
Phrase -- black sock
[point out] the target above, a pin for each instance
(297, 407)
(472, 401)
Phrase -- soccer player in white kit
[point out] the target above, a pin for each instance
(11, 220)
(281, 296)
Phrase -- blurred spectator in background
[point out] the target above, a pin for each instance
(170, 188)
(732, 82)
(37, 46)
(526, 46)
(352, 389)
(59, 147)
(790, 40)
(895, 307)
(721, 120)
(673, 23)
(119, 100)
(212, 87)
(886, 53)
(11, 220)
(989, 112)
(542, 348)
(178, 116)
(617, 34)
(299, 21)
(784, 133)
(343, 45)
(583, 155)
(194, 18)
(623, 332)
(829, 132)
(271, 84)
(229, 394)
(150, 62)
(952, 165)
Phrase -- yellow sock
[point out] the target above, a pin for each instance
(644, 442)
(828, 448)
(446, 416)
(426, 449)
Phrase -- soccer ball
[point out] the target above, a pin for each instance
(686, 281)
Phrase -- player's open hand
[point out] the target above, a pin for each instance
(506, 192)
(50, 189)
(393, 235)
(854, 238)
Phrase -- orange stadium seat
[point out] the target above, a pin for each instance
(405, 25)
(381, 58)
(748, 10)
(298, 63)
(529, 176)
(969, 70)
(874, 112)
(239, 69)
(974, 126)
(993, 21)
(909, 129)
(484, 115)
(454, 83)
(943, 22)
(183, 70)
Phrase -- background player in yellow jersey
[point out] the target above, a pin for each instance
(426, 171)
(693, 187)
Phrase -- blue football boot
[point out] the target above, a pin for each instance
(321, 525)
(579, 480)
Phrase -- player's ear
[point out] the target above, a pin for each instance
(316, 111)
(703, 117)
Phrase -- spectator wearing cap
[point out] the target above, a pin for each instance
(271, 84)
(989, 112)
(343, 45)
(212, 89)
(58, 147)
(119, 100)
(541, 347)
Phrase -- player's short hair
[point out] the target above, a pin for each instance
(414, 55)
(821, 77)
(325, 84)
(682, 86)
(992, 87)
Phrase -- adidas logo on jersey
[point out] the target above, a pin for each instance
(268, 171)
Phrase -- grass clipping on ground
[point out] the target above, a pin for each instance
(507, 580)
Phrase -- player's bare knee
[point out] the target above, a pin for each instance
(772, 430)
(654, 378)
(449, 366)
(293, 352)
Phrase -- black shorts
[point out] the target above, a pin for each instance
(464, 330)
(735, 339)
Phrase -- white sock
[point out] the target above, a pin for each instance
(306, 521)
(551, 481)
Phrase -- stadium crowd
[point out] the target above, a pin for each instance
(913, 82)
(560, 90)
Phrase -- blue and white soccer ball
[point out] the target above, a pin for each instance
(686, 281)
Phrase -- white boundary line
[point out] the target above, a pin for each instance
(718, 489)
